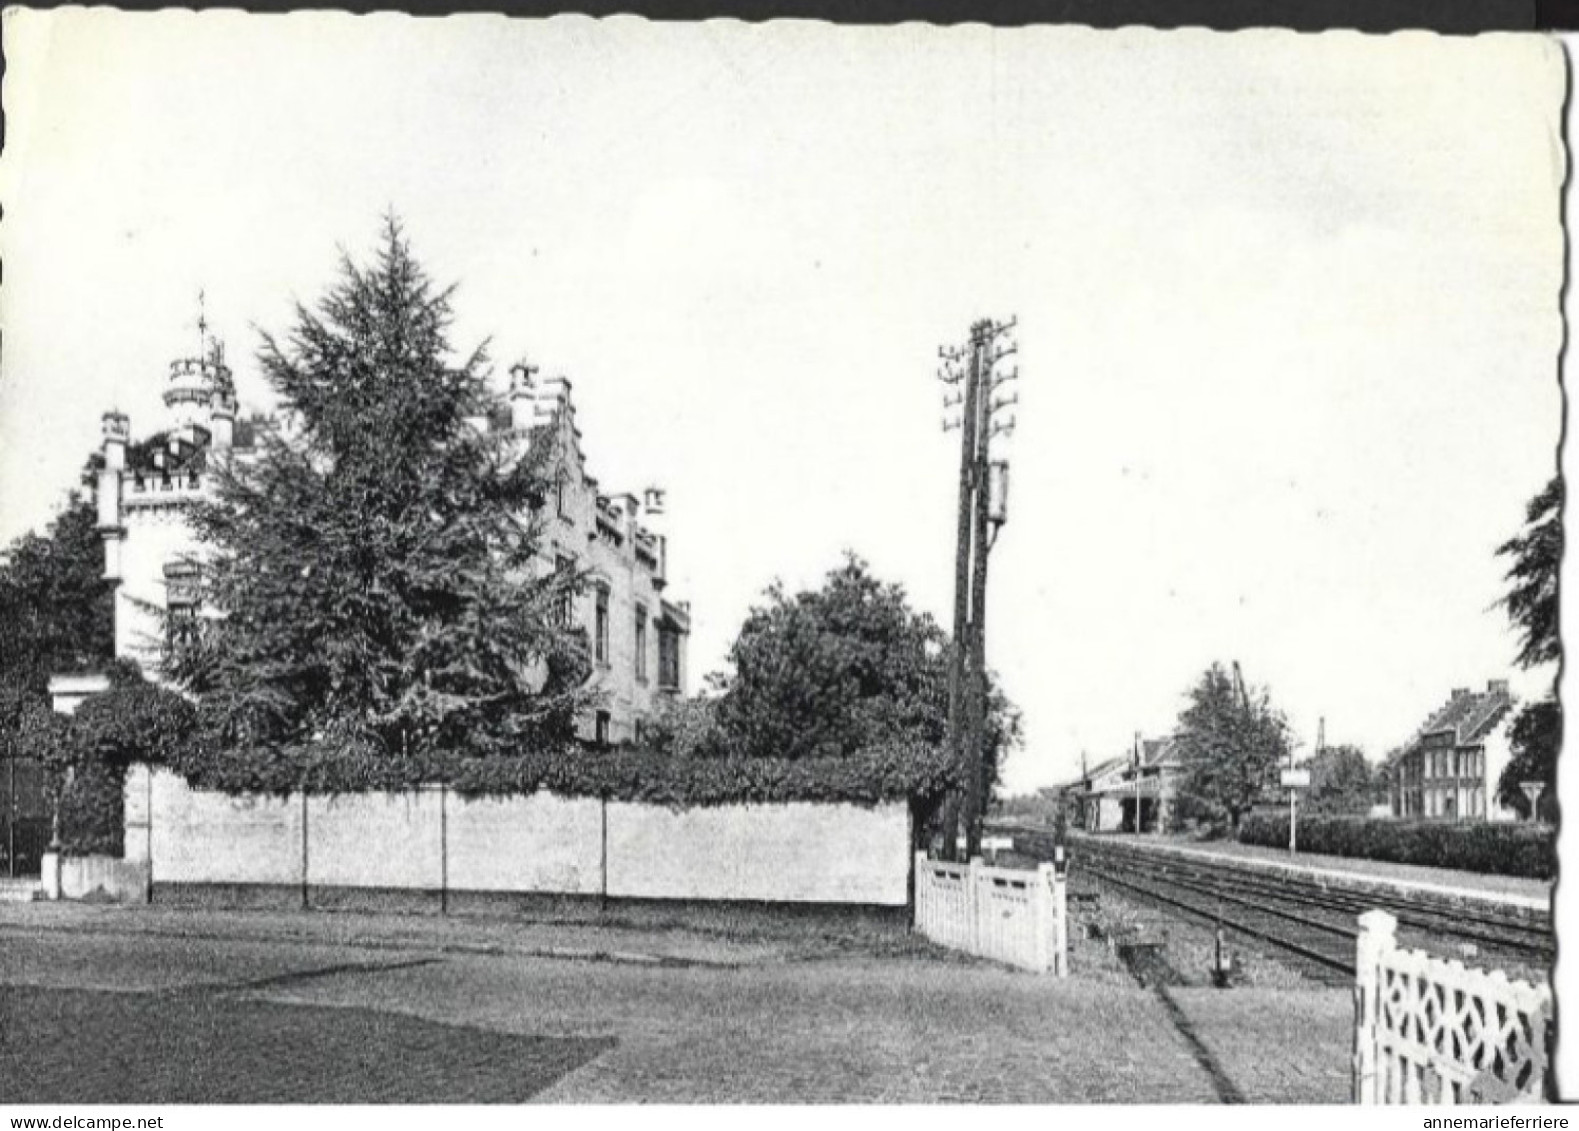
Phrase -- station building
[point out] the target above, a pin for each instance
(1131, 793)
(146, 488)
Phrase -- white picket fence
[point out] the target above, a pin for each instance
(1429, 1031)
(1010, 915)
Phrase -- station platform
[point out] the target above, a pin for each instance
(1510, 891)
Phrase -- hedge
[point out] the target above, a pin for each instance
(1505, 848)
(895, 772)
(143, 723)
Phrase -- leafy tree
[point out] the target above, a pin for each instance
(833, 670)
(374, 568)
(1537, 739)
(1531, 601)
(1532, 604)
(1231, 745)
(832, 673)
(85, 755)
(56, 610)
(1342, 781)
(685, 728)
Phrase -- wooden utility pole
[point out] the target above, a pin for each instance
(982, 511)
(976, 698)
(967, 424)
(1135, 759)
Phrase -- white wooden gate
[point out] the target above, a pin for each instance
(1010, 915)
(1436, 1032)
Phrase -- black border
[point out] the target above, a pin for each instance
(1457, 17)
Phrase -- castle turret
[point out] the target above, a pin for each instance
(222, 419)
(116, 431)
(192, 386)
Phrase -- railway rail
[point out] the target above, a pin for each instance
(1309, 920)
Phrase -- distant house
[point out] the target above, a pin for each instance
(1145, 782)
(1451, 766)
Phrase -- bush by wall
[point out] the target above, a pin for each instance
(899, 771)
(1500, 847)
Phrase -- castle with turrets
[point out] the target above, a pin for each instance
(145, 490)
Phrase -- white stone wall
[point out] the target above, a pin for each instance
(540, 843)
(794, 853)
(205, 838)
(375, 840)
(424, 840)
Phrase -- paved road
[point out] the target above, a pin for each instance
(98, 1017)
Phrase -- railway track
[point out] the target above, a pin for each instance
(1305, 919)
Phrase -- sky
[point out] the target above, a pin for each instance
(1288, 306)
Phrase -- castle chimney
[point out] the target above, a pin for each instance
(523, 396)
(655, 517)
(1460, 692)
(116, 430)
(1497, 686)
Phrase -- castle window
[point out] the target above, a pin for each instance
(182, 597)
(668, 658)
(565, 566)
(641, 643)
(561, 503)
(601, 626)
(601, 728)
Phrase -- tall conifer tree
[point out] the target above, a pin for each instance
(378, 606)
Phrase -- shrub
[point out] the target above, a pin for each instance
(885, 773)
(1500, 847)
(85, 755)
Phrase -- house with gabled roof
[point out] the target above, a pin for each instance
(1451, 766)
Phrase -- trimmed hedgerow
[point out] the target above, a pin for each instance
(1501, 847)
(897, 772)
(144, 723)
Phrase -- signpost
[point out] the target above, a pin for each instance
(1294, 781)
(1533, 790)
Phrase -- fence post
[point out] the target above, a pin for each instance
(974, 904)
(1044, 917)
(1060, 921)
(918, 913)
(1377, 940)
